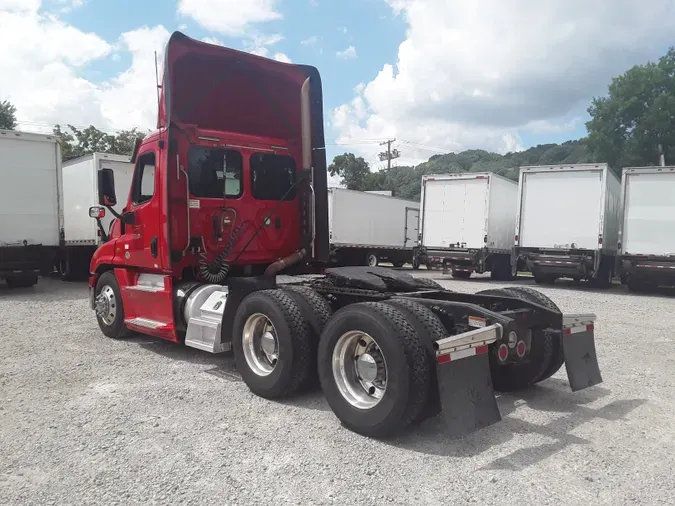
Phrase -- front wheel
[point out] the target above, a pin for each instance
(374, 369)
(108, 306)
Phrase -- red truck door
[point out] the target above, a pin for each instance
(139, 245)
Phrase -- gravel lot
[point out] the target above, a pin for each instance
(89, 420)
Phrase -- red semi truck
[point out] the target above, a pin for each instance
(230, 191)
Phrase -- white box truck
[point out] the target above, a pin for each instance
(81, 190)
(567, 222)
(31, 215)
(466, 224)
(647, 228)
(367, 228)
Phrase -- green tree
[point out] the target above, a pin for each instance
(627, 126)
(77, 142)
(7, 116)
(354, 171)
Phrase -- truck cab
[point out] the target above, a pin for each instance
(232, 179)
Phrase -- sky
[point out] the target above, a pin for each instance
(436, 75)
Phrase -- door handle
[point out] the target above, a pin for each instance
(153, 247)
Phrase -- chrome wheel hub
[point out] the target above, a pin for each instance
(359, 369)
(260, 344)
(105, 305)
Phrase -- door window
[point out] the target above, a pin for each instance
(144, 179)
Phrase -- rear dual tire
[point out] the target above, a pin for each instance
(400, 373)
(546, 356)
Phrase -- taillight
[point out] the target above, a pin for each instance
(516, 239)
(600, 240)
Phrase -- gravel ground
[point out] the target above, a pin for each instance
(89, 420)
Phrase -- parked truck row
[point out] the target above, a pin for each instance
(570, 221)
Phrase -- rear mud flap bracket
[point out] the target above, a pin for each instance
(581, 360)
(464, 382)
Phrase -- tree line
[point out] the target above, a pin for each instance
(631, 126)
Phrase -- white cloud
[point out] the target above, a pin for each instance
(41, 60)
(130, 99)
(347, 54)
(42, 63)
(476, 74)
(229, 17)
(310, 41)
(69, 5)
(282, 58)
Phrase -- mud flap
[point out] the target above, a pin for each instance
(581, 360)
(465, 386)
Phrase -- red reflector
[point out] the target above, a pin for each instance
(590, 327)
(516, 238)
(503, 352)
(443, 359)
(520, 348)
(567, 332)
(481, 349)
(599, 240)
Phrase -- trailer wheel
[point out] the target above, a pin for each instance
(108, 306)
(545, 353)
(272, 344)
(22, 280)
(372, 259)
(461, 274)
(430, 329)
(374, 369)
(317, 311)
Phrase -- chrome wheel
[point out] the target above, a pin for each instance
(359, 369)
(106, 305)
(372, 260)
(260, 344)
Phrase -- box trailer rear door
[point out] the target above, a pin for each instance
(649, 214)
(29, 190)
(455, 212)
(561, 209)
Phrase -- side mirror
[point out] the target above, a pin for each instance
(97, 212)
(106, 187)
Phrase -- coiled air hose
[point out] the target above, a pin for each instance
(217, 270)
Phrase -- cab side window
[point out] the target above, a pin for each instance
(144, 179)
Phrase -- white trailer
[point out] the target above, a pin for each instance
(567, 223)
(466, 224)
(366, 228)
(31, 215)
(81, 190)
(647, 228)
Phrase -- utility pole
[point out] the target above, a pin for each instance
(390, 154)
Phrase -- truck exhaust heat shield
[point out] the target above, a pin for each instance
(464, 381)
(581, 360)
